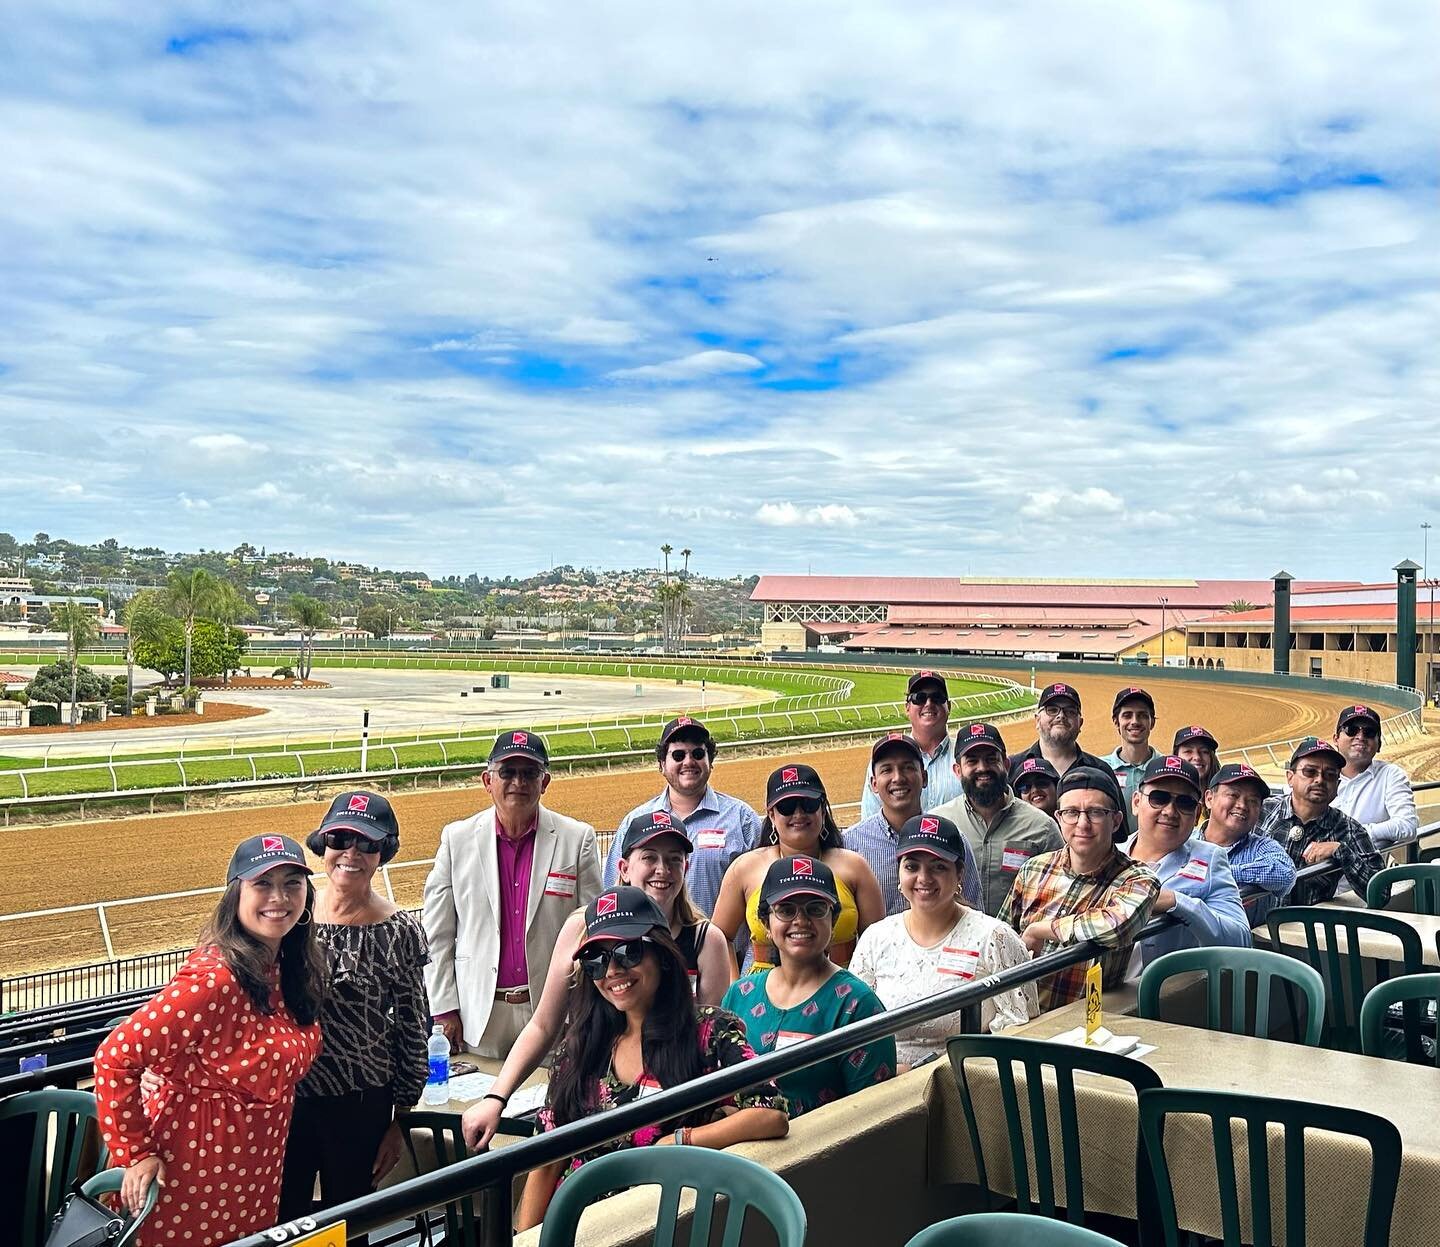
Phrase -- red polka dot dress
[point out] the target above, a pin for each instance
(222, 1113)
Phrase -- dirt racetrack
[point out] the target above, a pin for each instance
(81, 863)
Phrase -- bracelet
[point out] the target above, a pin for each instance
(679, 1134)
(491, 1095)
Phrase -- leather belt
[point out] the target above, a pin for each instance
(513, 995)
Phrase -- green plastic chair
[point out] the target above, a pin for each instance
(1295, 1116)
(108, 1183)
(711, 1174)
(1007, 1229)
(1006, 1052)
(458, 1218)
(1411, 992)
(51, 1170)
(1242, 966)
(1344, 975)
(1425, 894)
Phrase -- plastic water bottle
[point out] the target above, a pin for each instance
(437, 1085)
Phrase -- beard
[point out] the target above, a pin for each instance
(984, 790)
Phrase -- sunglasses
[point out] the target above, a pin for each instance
(342, 840)
(788, 911)
(926, 699)
(1367, 730)
(695, 755)
(788, 806)
(1183, 801)
(626, 956)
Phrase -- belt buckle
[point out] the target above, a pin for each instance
(514, 995)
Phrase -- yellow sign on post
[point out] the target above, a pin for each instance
(330, 1236)
(1092, 1002)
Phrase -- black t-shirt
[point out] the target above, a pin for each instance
(1085, 759)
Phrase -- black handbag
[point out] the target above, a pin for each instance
(85, 1222)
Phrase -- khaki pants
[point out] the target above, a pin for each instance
(503, 1029)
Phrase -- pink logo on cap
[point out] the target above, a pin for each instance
(804, 866)
(272, 844)
(977, 729)
(1362, 710)
(684, 721)
(660, 817)
(605, 904)
(519, 738)
(929, 824)
(920, 673)
(895, 736)
(1322, 743)
(789, 775)
(1173, 763)
(1062, 688)
(359, 803)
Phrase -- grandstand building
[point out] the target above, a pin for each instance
(1010, 618)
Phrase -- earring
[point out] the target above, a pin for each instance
(305, 919)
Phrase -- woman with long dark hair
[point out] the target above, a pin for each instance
(798, 823)
(230, 1036)
(634, 1029)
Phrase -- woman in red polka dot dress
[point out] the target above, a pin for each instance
(229, 1036)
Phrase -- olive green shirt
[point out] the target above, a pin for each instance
(1019, 832)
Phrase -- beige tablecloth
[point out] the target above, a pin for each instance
(1374, 945)
(1187, 1057)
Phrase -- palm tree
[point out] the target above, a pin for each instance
(665, 550)
(81, 628)
(1240, 604)
(193, 595)
(685, 599)
(310, 616)
(145, 622)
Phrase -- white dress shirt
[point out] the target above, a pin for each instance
(1380, 797)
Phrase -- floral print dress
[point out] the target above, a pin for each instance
(722, 1044)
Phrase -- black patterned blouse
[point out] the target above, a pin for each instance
(376, 1018)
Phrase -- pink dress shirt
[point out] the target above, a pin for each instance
(514, 858)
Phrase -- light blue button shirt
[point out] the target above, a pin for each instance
(875, 841)
(721, 828)
(941, 782)
(1207, 902)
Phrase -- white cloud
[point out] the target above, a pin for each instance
(1053, 504)
(224, 444)
(188, 503)
(69, 490)
(692, 367)
(788, 515)
(268, 491)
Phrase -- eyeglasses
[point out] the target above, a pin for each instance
(342, 840)
(626, 956)
(695, 755)
(1183, 801)
(787, 807)
(788, 911)
(1090, 813)
(519, 774)
(1367, 730)
(926, 699)
(1061, 712)
(1327, 773)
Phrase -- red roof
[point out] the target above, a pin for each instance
(947, 591)
(1006, 640)
(1345, 612)
(9, 677)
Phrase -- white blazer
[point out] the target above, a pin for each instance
(462, 910)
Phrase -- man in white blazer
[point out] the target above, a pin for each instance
(503, 883)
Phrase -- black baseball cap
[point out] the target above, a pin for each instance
(1312, 745)
(644, 828)
(691, 727)
(1133, 693)
(366, 812)
(1366, 713)
(1059, 692)
(1189, 735)
(1239, 773)
(253, 857)
(798, 876)
(927, 677)
(520, 744)
(793, 780)
(1091, 777)
(973, 734)
(896, 740)
(929, 833)
(1168, 766)
(622, 913)
(1031, 771)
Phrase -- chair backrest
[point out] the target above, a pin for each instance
(1034, 1057)
(1256, 1112)
(710, 1174)
(1345, 972)
(1425, 894)
(1243, 967)
(51, 1170)
(449, 1146)
(107, 1183)
(1412, 993)
(1008, 1229)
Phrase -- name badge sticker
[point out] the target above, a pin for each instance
(711, 838)
(560, 884)
(788, 1039)
(1013, 859)
(961, 963)
(1196, 869)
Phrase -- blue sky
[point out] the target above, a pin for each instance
(994, 288)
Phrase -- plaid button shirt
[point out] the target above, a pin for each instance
(1356, 855)
(1109, 907)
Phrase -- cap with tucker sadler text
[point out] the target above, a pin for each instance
(1366, 714)
(691, 727)
(253, 857)
(1189, 735)
(973, 735)
(366, 812)
(896, 740)
(1032, 771)
(520, 744)
(1133, 693)
(798, 876)
(1059, 692)
(1168, 766)
(1239, 773)
(1312, 745)
(795, 780)
(927, 677)
(644, 828)
(929, 833)
(624, 913)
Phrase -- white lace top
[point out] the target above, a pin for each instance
(900, 971)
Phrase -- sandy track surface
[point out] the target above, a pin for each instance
(79, 863)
